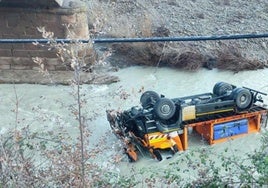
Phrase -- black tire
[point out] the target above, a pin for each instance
(242, 98)
(164, 108)
(149, 98)
(157, 155)
(215, 88)
(221, 88)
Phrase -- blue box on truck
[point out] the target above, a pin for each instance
(228, 129)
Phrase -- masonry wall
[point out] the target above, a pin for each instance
(22, 23)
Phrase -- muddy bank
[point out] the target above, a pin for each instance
(186, 56)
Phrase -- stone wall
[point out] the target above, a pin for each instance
(22, 23)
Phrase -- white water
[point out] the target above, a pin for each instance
(171, 83)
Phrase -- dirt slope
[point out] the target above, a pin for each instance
(141, 18)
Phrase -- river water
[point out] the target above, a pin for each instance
(42, 106)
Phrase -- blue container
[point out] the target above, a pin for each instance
(232, 128)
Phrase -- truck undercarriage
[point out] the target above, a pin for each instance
(160, 123)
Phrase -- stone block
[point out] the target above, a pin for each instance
(22, 61)
(20, 32)
(21, 67)
(28, 15)
(5, 53)
(69, 19)
(53, 61)
(2, 13)
(31, 32)
(13, 18)
(34, 53)
(30, 47)
(81, 27)
(20, 53)
(50, 67)
(25, 23)
(4, 67)
(10, 35)
(48, 18)
(57, 29)
(18, 46)
(47, 54)
(5, 46)
(3, 22)
(6, 60)
(10, 31)
(61, 68)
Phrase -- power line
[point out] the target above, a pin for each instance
(187, 38)
(146, 39)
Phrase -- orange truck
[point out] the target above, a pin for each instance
(161, 123)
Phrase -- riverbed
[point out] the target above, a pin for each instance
(47, 106)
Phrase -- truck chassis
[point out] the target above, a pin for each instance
(162, 123)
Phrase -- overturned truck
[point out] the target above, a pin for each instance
(161, 123)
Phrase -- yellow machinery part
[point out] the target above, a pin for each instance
(160, 141)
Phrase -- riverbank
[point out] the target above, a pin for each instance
(53, 77)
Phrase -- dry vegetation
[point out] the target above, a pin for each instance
(187, 57)
(232, 59)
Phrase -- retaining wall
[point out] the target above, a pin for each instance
(22, 23)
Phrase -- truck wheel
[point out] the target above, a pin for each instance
(221, 88)
(149, 98)
(165, 108)
(242, 97)
(157, 154)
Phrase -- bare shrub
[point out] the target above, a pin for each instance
(162, 54)
(186, 56)
(183, 57)
(46, 159)
(230, 58)
(138, 53)
(189, 61)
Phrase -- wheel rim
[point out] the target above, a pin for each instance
(165, 109)
(243, 99)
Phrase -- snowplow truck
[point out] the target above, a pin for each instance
(158, 122)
